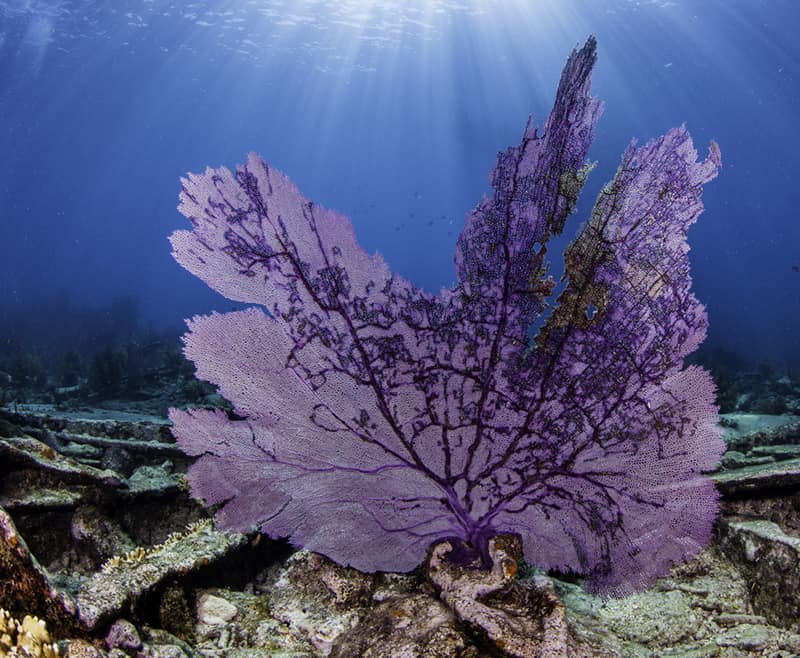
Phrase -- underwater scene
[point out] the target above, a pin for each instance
(439, 328)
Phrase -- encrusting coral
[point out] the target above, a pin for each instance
(26, 638)
(140, 552)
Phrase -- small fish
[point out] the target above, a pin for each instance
(5, 378)
(795, 268)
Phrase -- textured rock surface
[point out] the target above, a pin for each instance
(94, 422)
(255, 631)
(26, 588)
(317, 600)
(154, 480)
(308, 606)
(83, 649)
(780, 507)
(175, 615)
(762, 477)
(413, 625)
(745, 431)
(214, 610)
(27, 452)
(99, 533)
(770, 560)
(123, 635)
(703, 609)
(107, 595)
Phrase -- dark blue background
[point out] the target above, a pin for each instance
(389, 112)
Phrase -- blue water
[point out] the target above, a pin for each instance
(392, 113)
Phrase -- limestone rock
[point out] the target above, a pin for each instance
(104, 537)
(781, 507)
(318, 600)
(703, 609)
(26, 452)
(744, 431)
(154, 480)
(764, 477)
(214, 610)
(174, 614)
(83, 649)
(166, 651)
(770, 560)
(123, 635)
(411, 626)
(162, 644)
(109, 594)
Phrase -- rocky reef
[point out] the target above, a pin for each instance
(100, 540)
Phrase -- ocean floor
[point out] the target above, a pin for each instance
(100, 538)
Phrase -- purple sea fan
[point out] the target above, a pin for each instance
(376, 419)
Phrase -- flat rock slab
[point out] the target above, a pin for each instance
(743, 431)
(770, 560)
(163, 448)
(110, 594)
(42, 500)
(26, 451)
(778, 452)
(759, 478)
(40, 412)
(780, 506)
